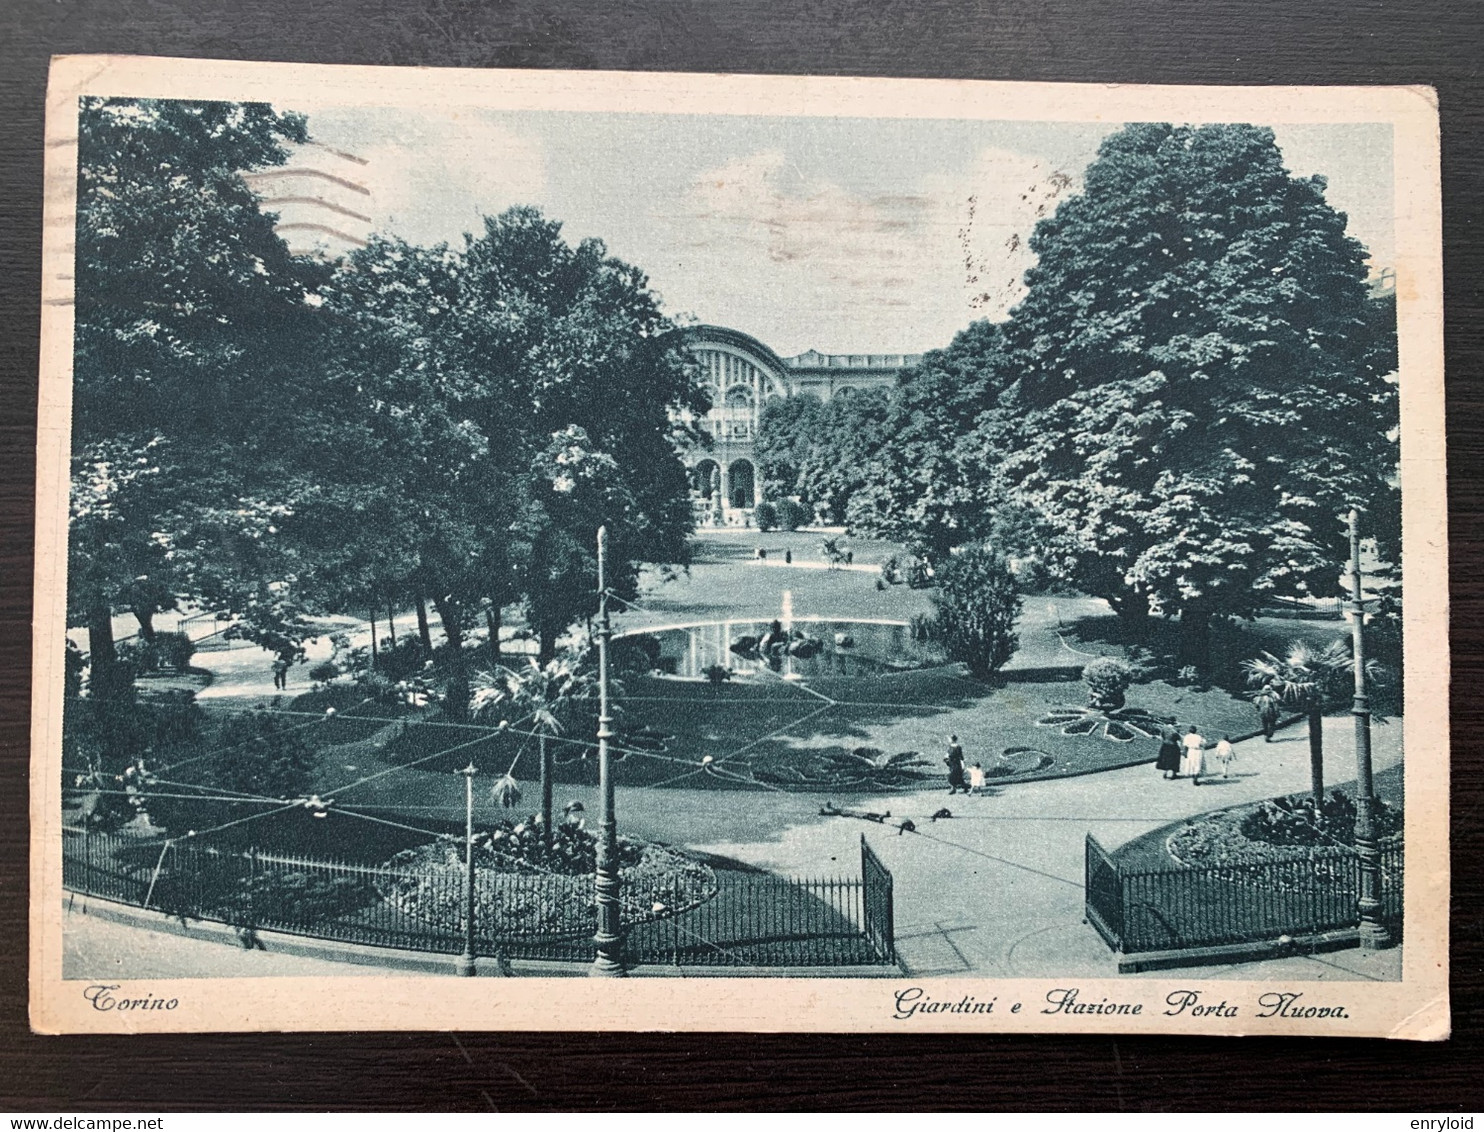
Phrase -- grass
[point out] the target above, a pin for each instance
(864, 733)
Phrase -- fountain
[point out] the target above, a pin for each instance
(788, 629)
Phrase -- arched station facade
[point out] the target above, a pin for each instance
(742, 375)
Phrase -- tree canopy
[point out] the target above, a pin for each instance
(283, 437)
(191, 324)
(1203, 376)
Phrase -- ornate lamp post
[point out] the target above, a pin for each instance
(1373, 933)
(609, 937)
(466, 960)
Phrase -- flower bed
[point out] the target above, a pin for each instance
(515, 897)
(1282, 829)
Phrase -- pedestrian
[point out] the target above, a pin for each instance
(1267, 712)
(281, 673)
(955, 761)
(976, 778)
(1168, 762)
(1225, 755)
(788, 557)
(1194, 762)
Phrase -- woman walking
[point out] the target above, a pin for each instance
(1168, 762)
(1194, 763)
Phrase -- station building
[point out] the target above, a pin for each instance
(742, 374)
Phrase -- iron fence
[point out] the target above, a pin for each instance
(1177, 908)
(749, 919)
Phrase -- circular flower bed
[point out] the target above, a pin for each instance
(1282, 829)
(1020, 760)
(518, 892)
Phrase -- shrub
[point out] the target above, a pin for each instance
(1290, 821)
(977, 604)
(1032, 576)
(377, 686)
(765, 514)
(639, 653)
(922, 628)
(173, 650)
(167, 651)
(324, 672)
(791, 515)
(402, 661)
(1107, 679)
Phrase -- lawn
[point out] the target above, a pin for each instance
(827, 733)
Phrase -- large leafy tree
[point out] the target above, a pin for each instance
(850, 433)
(191, 330)
(932, 482)
(485, 411)
(587, 386)
(1203, 381)
(787, 427)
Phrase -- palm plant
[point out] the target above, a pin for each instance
(539, 694)
(1310, 679)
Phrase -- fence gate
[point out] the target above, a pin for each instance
(1104, 887)
(876, 903)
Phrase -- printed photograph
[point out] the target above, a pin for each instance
(543, 542)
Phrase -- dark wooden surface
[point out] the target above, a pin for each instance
(1216, 41)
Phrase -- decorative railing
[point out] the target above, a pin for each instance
(1169, 909)
(752, 919)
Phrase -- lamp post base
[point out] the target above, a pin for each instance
(605, 966)
(465, 966)
(1374, 937)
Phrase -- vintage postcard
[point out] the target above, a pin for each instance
(577, 550)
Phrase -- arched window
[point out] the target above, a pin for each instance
(739, 397)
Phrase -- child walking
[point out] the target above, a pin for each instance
(1225, 755)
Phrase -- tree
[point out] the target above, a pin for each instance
(538, 694)
(932, 481)
(191, 321)
(1203, 380)
(1310, 680)
(787, 427)
(849, 433)
(497, 405)
(976, 606)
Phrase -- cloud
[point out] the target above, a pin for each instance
(432, 175)
(850, 270)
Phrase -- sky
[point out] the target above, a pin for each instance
(847, 235)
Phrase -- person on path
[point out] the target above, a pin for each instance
(1225, 755)
(1267, 714)
(281, 673)
(1168, 762)
(1193, 764)
(976, 778)
(955, 761)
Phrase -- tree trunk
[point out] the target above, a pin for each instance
(106, 682)
(1316, 760)
(457, 702)
(423, 632)
(375, 652)
(1195, 638)
(391, 622)
(546, 830)
(145, 615)
(1133, 615)
(547, 650)
(492, 619)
